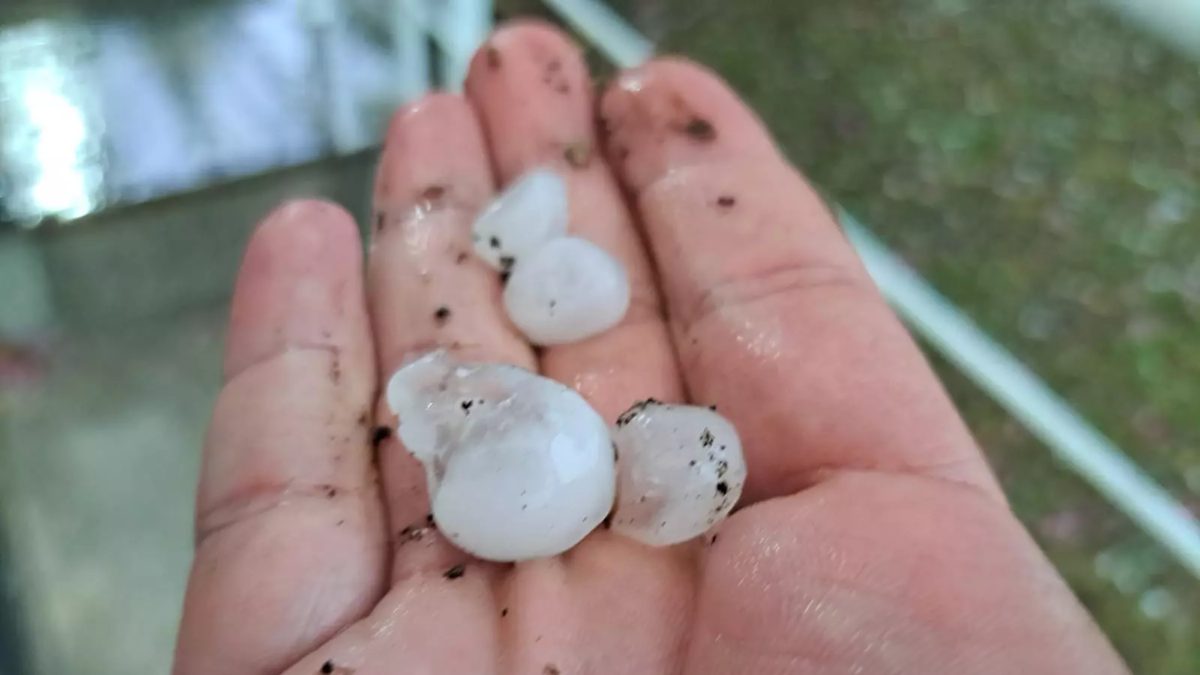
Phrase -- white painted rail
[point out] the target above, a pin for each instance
(1074, 441)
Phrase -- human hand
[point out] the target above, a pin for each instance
(871, 537)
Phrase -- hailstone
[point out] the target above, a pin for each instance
(531, 212)
(567, 290)
(681, 471)
(518, 466)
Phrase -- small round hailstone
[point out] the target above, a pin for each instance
(518, 466)
(681, 471)
(566, 291)
(531, 212)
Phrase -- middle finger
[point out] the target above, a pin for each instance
(534, 97)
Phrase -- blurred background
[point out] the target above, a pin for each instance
(1037, 161)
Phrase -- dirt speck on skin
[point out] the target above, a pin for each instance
(455, 572)
(551, 669)
(461, 257)
(441, 315)
(380, 221)
(409, 534)
(700, 129)
(493, 57)
(604, 126)
(554, 78)
(578, 154)
(329, 667)
(433, 193)
(726, 201)
(379, 435)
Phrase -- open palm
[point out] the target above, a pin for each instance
(871, 538)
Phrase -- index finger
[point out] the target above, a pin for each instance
(773, 315)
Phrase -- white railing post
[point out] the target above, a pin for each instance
(460, 27)
(409, 28)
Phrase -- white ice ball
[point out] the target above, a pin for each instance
(518, 465)
(681, 471)
(566, 291)
(531, 212)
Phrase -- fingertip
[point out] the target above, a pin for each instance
(676, 75)
(301, 237)
(537, 35)
(297, 277)
(432, 146)
(671, 113)
(532, 89)
(434, 105)
(300, 230)
(518, 48)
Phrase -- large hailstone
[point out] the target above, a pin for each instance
(681, 471)
(567, 290)
(518, 466)
(531, 212)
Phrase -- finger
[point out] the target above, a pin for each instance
(774, 317)
(289, 523)
(427, 289)
(534, 96)
(532, 89)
